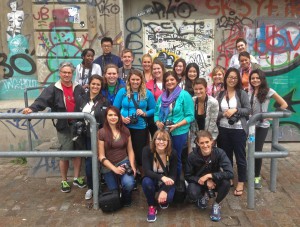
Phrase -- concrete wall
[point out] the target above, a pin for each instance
(50, 31)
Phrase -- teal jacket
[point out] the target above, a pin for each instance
(183, 109)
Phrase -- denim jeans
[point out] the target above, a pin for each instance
(150, 187)
(126, 181)
(178, 143)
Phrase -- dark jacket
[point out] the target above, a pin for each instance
(110, 58)
(220, 166)
(100, 105)
(111, 97)
(147, 161)
(53, 97)
(243, 107)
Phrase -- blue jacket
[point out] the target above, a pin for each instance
(127, 108)
(111, 97)
(110, 58)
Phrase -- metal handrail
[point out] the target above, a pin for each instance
(279, 151)
(75, 153)
(28, 121)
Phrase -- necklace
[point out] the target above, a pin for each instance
(116, 135)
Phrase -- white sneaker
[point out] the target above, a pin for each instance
(89, 194)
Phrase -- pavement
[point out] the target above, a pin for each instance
(38, 202)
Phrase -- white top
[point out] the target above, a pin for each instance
(225, 106)
(82, 78)
(235, 63)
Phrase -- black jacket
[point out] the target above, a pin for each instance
(147, 161)
(220, 166)
(53, 97)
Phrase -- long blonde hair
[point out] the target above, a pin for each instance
(142, 89)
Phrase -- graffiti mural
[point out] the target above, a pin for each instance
(192, 40)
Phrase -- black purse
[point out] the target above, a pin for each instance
(110, 201)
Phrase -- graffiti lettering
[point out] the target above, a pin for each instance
(106, 8)
(42, 14)
(224, 7)
(225, 22)
(6, 67)
(182, 10)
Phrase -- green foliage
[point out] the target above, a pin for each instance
(20, 161)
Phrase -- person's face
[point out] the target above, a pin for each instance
(13, 6)
(244, 62)
(147, 62)
(199, 90)
(192, 74)
(66, 74)
(161, 142)
(255, 80)
(106, 47)
(127, 59)
(135, 82)
(95, 86)
(179, 68)
(205, 145)
(218, 78)
(89, 57)
(232, 79)
(112, 117)
(157, 71)
(111, 76)
(171, 83)
(241, 46)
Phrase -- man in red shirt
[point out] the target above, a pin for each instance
(61, 97)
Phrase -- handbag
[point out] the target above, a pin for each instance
(110, 201)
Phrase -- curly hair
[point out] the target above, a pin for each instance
(142, 89)
(263, 87)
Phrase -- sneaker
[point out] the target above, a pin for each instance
(79, 182)
(164, 205)
(88, 194)
(65, 187)
(203, 201)
(257, 183)
(215, 212)
(151, 217)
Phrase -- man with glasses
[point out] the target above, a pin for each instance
(107, 57)
(61, 97)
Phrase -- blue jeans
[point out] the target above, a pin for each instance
(150, 187)
(178, 143)
(127, 183)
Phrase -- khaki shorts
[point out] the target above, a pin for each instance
(65, 138)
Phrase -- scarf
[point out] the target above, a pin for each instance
(166, 101)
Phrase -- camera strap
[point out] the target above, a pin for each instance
(165, 168)
(205, 105)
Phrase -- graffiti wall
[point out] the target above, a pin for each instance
(271, 29)
(192, 40)
(38, 35)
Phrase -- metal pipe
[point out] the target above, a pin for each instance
(274, 154)
(65, 115)
(28, 121)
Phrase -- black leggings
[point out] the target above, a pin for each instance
(139, 141)
(260, 137)
(195, 190)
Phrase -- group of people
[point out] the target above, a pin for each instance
(161, 125)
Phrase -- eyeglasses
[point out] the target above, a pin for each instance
(161, 140)
(232, 78)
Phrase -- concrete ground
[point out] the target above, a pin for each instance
(38, 202)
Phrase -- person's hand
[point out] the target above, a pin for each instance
(126, 120)
(167, 180)
(139, 112)
(162, 197)
(202, 179)
(210, 184)
(85, 86)
(120, 170)
(27, 110)
(134, 170)
(159, 124)
(172, 127)
(228, 113)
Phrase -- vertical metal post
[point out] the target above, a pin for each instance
(28, 122)
(251, 174)
(273, 167)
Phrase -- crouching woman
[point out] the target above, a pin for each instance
(208, 171)
(116, 154)
(160, 169)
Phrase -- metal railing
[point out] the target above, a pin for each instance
(29, 120)
(74, 153)
(277, 151)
